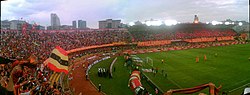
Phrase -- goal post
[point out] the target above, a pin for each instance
(150, 61)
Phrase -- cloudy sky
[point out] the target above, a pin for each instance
(127, 10)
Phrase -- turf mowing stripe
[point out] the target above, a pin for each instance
(175, 83)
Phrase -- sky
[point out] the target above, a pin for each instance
(127, 11)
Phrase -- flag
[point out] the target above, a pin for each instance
(58, 60)
(54, 77)
(34, 27)
(24, 29)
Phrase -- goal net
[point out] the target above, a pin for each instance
(149, 61)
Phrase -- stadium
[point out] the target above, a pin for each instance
(184, 58)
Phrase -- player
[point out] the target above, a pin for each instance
(162, 61)
(197, 59)
(205, 58)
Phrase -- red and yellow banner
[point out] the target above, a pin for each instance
(58, 60)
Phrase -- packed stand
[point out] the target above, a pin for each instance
(27, 79)
(175, 34)
(16, 44)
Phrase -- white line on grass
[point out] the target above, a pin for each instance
(240, 86)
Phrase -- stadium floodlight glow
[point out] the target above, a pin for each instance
(240, 23)
(215, 22)
(232, 22)
(156, 23)
(170, 22)
(207, 22)
(131, 24)
(220, 22)
(227, 23)
(148, 23)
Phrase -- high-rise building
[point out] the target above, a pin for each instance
(74, 24)
(55, 22)
(82, 24)
(109, 23)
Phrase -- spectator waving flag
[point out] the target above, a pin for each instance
(24, 28)
(58, 60)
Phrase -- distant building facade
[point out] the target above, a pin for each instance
(13, 24)
(18, 24)
(55, 22)
(5, 24)
(66, 27)
(82, 24)
(39, 27)
(74, 24)
(109, 23)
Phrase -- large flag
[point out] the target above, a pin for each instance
(58, 60)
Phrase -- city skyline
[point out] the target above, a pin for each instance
(128, 11)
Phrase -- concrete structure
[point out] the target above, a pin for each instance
(74, 24)
(55, 22)
(82, 24)
(13, 24)
(66, 27)
(49, 28)
(16, 24)
(109, 23)
(5, 24)
(39, 27)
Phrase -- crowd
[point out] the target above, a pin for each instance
(16, 44)
(20, 46)
(180, 34)
(20, 78)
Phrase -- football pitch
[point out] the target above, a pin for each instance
(228, 66)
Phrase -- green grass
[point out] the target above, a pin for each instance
(231, 69)
(118, 85)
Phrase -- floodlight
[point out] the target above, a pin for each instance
(170, 22)
(214, 22)
(156, 23)
(240, 23)
(131, 24)
(227, 23)
(148, 23)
